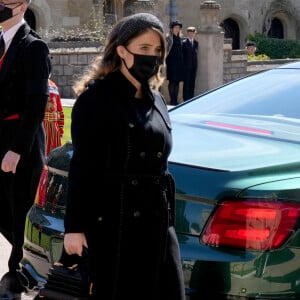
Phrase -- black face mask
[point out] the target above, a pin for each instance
(6, 12)
(144, 66)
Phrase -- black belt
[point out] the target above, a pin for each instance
(135, 179)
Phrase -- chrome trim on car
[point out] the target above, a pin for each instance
(58, 172)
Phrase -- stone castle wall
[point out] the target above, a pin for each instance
(250, 15)
(68, 63)
(218, 64)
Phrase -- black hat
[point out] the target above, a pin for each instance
(250, 43)
(175, 23)
(132, 24)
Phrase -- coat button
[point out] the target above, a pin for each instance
(134, 182)
(131, 125)
(159, 154)
(100, 219)
(137, 214)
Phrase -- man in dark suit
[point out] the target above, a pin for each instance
(24, 73)
(190, 62)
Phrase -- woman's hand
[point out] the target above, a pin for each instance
(74, 243)
(10, 162)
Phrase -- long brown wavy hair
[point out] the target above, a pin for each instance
(110, 60)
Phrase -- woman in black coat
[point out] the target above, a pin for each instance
(174, 61)
(121, 195)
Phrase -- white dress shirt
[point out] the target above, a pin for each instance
(9, 34)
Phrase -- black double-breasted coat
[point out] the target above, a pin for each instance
(121, 194)
(174, 59)
(23, 96)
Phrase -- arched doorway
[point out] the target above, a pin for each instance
(30, 19)
(276, 29)
(232, 31)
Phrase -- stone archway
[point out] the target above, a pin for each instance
(276, 30)
(280, 19)
(232, 31)
(41, 12)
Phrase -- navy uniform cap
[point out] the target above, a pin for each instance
(191, 28)
(175, 23)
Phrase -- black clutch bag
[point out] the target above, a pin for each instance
(68, 279)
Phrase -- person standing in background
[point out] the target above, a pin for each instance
(24, 72)
(54, 118)
(190, 62)
(174, 61)
(251, 48)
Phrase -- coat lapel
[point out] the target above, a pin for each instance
(161, 106)
(14, 49)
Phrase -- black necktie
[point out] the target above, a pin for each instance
(2, 46)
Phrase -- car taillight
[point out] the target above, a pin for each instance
(251, 224)
(41, 193)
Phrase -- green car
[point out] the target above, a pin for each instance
(236, 164)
